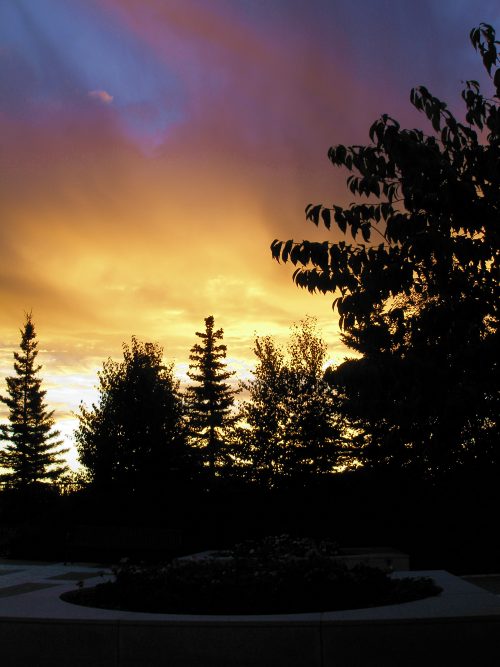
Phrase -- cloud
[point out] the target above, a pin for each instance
(239, 104)
(101, 95)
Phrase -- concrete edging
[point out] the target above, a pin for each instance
(460, 627)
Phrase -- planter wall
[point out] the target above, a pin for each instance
(460, 627)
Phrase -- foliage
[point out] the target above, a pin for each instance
(279, 547)
(314, 439)
(260, 441)
(253, 583)
(33, 452)
(210, 399)
(418, 297)
(289, 423)
(134, 439)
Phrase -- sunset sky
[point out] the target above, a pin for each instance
(151, 150)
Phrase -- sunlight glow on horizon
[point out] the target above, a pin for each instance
(69, 384)
(152, 151)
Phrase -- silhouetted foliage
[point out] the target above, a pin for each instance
(210, 399)
(33, 452)
(314, 430)
(133, 440)
(269, 576)
(418, 297)
(290, 428)
(260, 445)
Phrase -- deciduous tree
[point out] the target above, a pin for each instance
(261, 438)
(133, 440)
(418, 295)
(314, 442)
(290, 421)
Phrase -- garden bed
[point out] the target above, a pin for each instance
(277, 575)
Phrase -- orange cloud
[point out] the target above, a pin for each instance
(102, 239)
(101, 95)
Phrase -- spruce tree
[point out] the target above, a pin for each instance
(33, 451)
(210, 398)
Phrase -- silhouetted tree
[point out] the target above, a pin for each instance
(211, 398)
(290, 423)
(134, 439)
(33, 452)
(418, 297)
(314, 440)
(261, 439)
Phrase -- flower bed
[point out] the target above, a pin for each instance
(272, 576)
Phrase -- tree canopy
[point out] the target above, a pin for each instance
(134, 439)
(289, 428)
(418, 295)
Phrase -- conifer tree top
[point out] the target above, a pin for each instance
(32, 452)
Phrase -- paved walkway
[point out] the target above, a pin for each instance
(32, 589)
(37, 628)
(490, 582)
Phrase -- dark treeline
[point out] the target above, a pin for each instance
(398, 445)
(286, 457)
(152, 453)
(145, 434)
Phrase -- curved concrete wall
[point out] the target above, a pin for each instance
(460, 627)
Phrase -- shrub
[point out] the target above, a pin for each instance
(276, 575)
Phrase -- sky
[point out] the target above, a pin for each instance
(151, 150)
